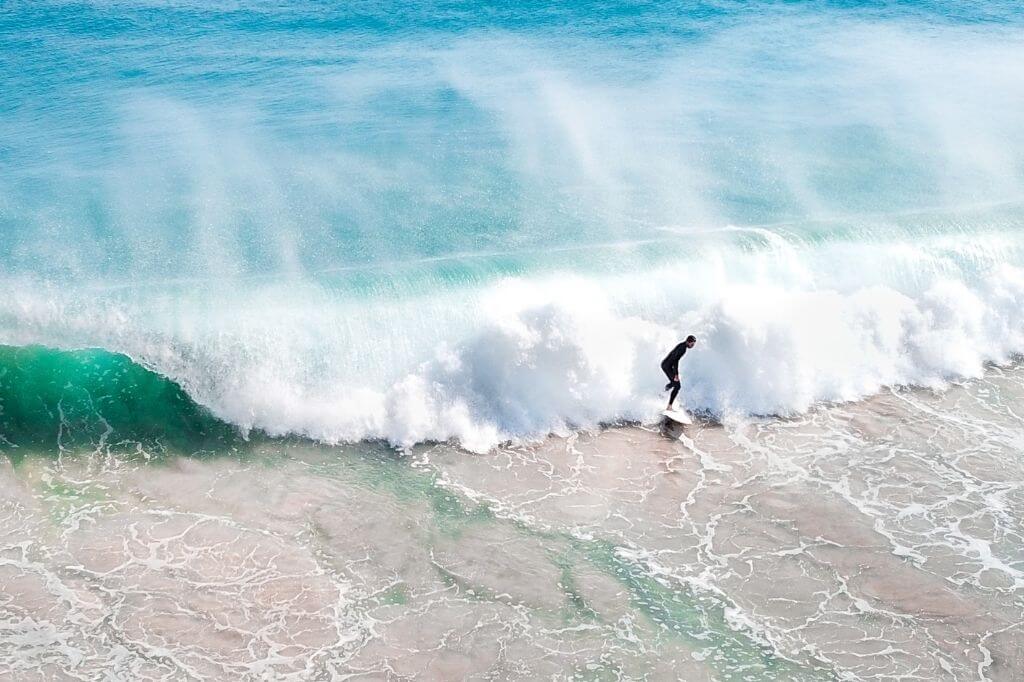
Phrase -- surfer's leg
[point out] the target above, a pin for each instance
(670, 375)
(675, 391)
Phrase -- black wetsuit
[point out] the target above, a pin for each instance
(670, 365)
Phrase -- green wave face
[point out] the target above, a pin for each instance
(54, 400)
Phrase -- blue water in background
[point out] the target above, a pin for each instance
(221, 139)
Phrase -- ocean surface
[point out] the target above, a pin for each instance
(329, 340)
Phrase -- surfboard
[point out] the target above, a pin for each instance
(679, 416)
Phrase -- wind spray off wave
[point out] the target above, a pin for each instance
(426, 228)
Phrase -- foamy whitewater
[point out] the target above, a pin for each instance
(330, 340)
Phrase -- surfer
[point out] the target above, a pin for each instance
(670, 365)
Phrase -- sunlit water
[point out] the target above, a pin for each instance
(329, 340)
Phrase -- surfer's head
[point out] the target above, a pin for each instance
(691, 341)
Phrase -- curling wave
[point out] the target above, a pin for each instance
(96, 398)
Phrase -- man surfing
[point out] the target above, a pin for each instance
(670, 365)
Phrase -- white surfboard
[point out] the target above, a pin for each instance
(679, 416)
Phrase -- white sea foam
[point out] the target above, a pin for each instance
(781, 328)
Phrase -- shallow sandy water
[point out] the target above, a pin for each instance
(877, 540)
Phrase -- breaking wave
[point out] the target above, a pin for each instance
(783, 324)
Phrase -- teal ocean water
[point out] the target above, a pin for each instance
(330, 333)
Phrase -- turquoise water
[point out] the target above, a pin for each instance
(329, 340)
(308, 215)
(54, 400)
(172, 139)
